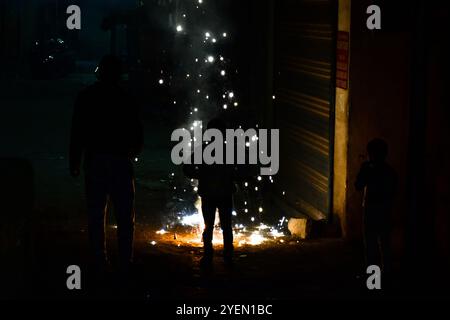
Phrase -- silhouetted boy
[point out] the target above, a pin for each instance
(107, 134)
(216, 188)
(378, 180)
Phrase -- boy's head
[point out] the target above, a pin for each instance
(377, 150)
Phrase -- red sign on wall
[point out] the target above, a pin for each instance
(343, 40)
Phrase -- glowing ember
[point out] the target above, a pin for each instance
(195, 219)
(256, 239)
(276, 233)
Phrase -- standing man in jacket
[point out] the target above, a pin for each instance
(107, 136)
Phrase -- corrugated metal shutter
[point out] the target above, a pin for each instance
(304, 85)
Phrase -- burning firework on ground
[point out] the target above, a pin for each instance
(187, 229)
(202, 81)
(185, 225)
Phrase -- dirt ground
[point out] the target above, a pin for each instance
(35, 125)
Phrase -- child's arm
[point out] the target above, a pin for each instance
(363, 177)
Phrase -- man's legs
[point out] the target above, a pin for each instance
(97, 198)
(371, 237)
(209, 216)
(385, 248)
(225, 213)
(122, 196)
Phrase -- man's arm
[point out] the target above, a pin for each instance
(191, 170)
(137, 129)
(76, 138)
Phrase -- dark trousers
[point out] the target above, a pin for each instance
(377, 239)
(225, 207)
(109, 179)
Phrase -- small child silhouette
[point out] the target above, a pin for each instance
(378, 181)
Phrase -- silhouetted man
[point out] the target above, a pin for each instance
(378, 180)
(216, 188)
(107, 135)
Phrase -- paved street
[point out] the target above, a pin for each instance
(36, 117)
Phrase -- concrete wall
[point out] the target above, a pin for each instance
(437, 151)
(341, 134)
(379, 104)
(399, 79)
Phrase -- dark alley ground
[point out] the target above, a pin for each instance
(37, 129)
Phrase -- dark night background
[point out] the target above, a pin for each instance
(281, 63)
